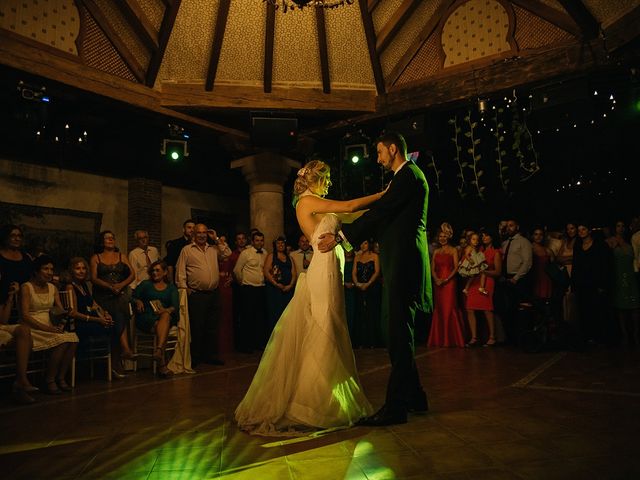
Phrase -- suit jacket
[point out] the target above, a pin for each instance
(399, 220)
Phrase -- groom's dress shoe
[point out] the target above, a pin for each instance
(419, 405)
(383, 418)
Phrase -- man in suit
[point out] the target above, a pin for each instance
(398, 220)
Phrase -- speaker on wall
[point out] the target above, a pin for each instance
(274, 132)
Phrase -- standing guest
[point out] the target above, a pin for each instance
(542, 256)
(589, 279)
(565, 253)
(635, 243)
(197, 271)
(157, 308)
(37, 298)
(446, 321)
(226, 326)
(517, 259)
(15, 263)
(111, 275)
(302, 257)
(19, 337)
(249, 273)
(142, 257)
(240, 244)
(476, 301)
(626, 300)
(175, 246)
(365, 274)
(91, 320)
(280, 276)
(350, 293)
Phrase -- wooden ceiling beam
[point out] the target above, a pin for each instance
(134, 15)
(370, 34)
(323, 51)
(166, 27)
(225, 97)
(460, 85)
(216, 47)
(123, 51)
(27, 57)
(429, 27)
(550, 14)
(589, 26)
(390, 29)
(269, 38)
(372, 4)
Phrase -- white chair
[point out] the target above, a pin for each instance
(99, 349)
(145, 345)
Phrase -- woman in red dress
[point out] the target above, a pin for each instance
(477, 301)
(446, 322)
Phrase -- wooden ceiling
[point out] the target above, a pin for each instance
(184, 58)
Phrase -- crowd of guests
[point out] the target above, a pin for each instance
(583, 282)
(586, 278)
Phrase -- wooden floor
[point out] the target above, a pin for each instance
(496, 413)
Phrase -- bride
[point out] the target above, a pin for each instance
(307, 376)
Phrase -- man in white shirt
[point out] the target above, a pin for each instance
(197, 272)
(302, 257)
(517, 258)
(250, 276)
(142, 257)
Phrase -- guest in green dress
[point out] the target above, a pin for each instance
(626, 298)
(157, 306)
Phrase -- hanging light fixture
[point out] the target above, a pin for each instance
(300, 4)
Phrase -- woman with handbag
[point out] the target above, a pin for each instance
(42, 312)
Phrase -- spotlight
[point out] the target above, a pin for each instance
(175, 148)
(356, 153)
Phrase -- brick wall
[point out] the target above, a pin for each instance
(145, 210)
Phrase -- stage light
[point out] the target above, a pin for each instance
(356, 153)
(174, 150)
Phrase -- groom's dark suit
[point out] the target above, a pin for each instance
(398, 220)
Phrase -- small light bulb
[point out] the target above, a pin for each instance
(611, 97)
(595, 92)
(66, 126)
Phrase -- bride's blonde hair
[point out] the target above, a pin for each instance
(312, 174)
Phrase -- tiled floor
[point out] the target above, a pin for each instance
(495, 414)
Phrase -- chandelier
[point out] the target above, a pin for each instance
(300, 4)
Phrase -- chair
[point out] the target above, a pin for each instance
(145, 345)
(99, 349)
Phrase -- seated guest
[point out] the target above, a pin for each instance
(157, 308)
(90, 319)
(142, 256)
(38, 297)
(19, 337)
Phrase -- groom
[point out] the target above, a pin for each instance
(398, 220)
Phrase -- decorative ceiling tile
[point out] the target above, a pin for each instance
(124, 30)
(153, 10)
(407, 34)
(476, 29)
(383, 12)
(186, 57)
(55, 23)
(295, 50)
(607, 11)
(347, 44)
(535, 32)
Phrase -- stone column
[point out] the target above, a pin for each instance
(266, 173)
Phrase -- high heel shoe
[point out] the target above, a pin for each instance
(62, 385)
(52, 388)
(129, 356)
(472, 343)
(117, 374)
(20, 395)
(490, 343)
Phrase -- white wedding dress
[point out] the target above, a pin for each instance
(307, 376)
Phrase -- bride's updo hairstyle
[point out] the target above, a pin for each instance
(312, 174)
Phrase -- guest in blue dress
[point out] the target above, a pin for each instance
(90, 319)
(280, 275)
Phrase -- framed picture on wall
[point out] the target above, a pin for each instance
(59, 232)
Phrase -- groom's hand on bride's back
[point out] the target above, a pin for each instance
(327, 242)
